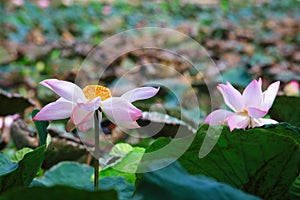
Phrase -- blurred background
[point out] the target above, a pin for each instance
(42, 39)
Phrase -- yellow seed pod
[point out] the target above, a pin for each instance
(93, 91)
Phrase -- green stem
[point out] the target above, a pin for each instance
(97, 150)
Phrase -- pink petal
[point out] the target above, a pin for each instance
(253, 94)
(231, 96)
(87, 125)
(260, 82)
(91, 105)
(256, 112)
(121, 112)
(238, 121)
(270, 94)
(65, 89)
(140, 93)
(80, 115)
(60, 109)
(262, 121)
(217, 117)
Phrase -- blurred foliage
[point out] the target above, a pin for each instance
(58, 30)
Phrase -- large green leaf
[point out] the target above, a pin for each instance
(79, 176)
(125, 190)
(286, 109)
(26, 170)
(173, 182)
(58, 192)
(67, 173)
(262, 161)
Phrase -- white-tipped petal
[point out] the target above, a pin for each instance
(80, 115)
(87, 125)
(60, 109)
(140, 93)
(253, 95)
(121, 112)
(65, 89)
(91, 105)
(236, 121)
(232, 97)
(217, 117)
(262, 121)
(256, 112)
(270, 94)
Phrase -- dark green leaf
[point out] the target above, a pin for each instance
(58, 192)
(125, 190)
(41, 127)
(261, 161)
(79, 176)
(173, 182)
(25, 172)
(286, 109)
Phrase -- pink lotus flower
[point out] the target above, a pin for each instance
(106, 10)
(80, 104)
(43, 3)
(248, 108)
(291, 89)
(18, 2)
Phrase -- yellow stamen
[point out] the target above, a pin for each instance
(93, 91)
(245, 112)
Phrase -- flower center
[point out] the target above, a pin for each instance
(93, 91)
(244, 112)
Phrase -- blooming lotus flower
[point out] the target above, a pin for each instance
(43, 3)
(81, 105)
(291, 89)
(18, 2)
(248, 108)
